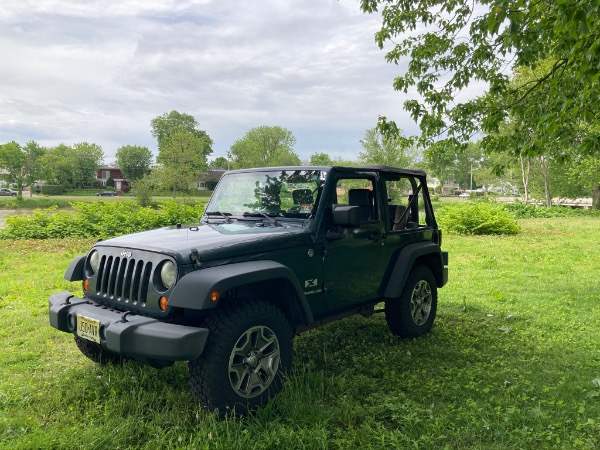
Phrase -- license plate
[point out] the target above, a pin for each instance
(88, 329)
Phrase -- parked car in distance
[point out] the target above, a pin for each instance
(106, 194)
(464, 195)
(8, 192)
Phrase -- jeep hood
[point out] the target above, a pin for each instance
(213, 241)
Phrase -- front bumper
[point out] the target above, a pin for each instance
(140, 338)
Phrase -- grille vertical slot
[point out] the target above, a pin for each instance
(124, 280)
(112, 279)
(146, 272)
(135, 282)
(128, 275)
(106, 276)
(120, 280)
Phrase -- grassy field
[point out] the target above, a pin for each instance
(46, 201)
(513, 362)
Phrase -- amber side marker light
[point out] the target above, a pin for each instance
(86, 285)
(214, 295)
(163, 303)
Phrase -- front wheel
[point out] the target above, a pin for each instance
(412, 314)
(249, 349)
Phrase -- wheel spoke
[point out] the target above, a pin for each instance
(254, 361)
(420, 302)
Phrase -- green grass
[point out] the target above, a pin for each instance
(513, 362)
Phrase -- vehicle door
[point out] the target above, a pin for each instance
(353, 257)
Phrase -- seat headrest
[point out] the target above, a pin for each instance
(359, 197)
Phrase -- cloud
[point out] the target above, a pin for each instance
(87, 71)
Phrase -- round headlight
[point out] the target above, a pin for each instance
(168, 274)
(94, 259)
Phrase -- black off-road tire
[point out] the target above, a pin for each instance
(249, 350)
(412, 314)
(97, 353)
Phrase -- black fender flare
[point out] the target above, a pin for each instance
(193, 290)
(404, 262)
(75, 270)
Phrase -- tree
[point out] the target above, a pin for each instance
(23, 164)
(74, 166)
(320, 159)
(452, 44)
(87, 159)
(33, 169)
(143, 191)
(586, 170)
(545, 149)
(58, 164)
(182, 159)
(182, 150)
(163, 126)
(134, 161)
(439, 161)
(393, 151)
(13, 160)
(219, 163)
(264, 147)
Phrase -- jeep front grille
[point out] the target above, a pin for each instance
(123, 280)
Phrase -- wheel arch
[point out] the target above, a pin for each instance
(268, 280)
(425, 253)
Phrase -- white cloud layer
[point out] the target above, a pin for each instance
(99, 71)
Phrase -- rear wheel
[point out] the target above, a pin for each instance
(249, 349)
(97, 353)
(412, 314)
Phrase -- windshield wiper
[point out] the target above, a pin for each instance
(219, 213)
(262, 214)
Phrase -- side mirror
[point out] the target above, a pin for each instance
(346, 216)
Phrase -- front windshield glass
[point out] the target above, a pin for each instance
(282, 193)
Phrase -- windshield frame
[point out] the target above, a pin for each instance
(286, 194)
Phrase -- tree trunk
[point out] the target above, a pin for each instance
(525, 169)
(546, 176)
(596, 197)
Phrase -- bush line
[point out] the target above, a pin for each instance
(98, 220)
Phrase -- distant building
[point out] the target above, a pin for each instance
(210, 177)
(448, 187)
(111, 171)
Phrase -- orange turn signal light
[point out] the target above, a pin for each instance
(214, 295)
(163, 303)
(86, 285)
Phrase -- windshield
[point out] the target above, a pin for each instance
(282, 193)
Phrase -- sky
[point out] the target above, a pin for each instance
(99, 71)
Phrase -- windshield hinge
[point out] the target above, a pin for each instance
(196, 258)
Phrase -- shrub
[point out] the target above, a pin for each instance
(211, 184)
(98, 220)
(53, 189)
(528, 211)
(142, 189)
(476, 218)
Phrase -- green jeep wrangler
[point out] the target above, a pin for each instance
(277, 251)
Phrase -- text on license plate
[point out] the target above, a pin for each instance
(88, 329)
